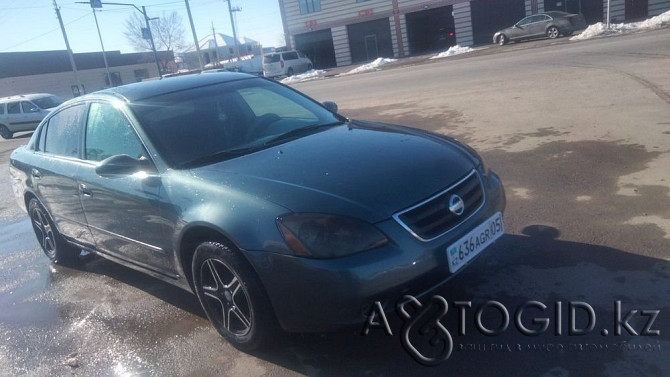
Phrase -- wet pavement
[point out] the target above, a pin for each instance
(584, 228)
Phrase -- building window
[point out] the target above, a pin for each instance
(141, 74)
(309, 6)
(116, 79)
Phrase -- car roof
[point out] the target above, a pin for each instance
(556, 13)
(147, 89)
(28, 96)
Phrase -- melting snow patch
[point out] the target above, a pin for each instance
(453, 50)
(307, 76)
(600, 28)
(370, 66)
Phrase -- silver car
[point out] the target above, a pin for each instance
(548, 24)
(24, 112)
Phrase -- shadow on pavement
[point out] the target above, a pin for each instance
(520, 268)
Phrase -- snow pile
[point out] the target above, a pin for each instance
(307, 76)
(601, 29)
(370, 66)
(453, 50)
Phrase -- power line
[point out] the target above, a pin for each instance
(43, 34)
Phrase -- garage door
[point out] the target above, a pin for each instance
(370, 40)
(430, 30)
(318, 46)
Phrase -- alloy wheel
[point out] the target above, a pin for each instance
(226, 297)
(44, 232)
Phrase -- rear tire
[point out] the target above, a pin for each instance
(310, 67)
(232, 296)
(5, 132)
(552, 32)
(54, 246)
(289, 73)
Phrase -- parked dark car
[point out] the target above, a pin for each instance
(548, 24)
(271, 208)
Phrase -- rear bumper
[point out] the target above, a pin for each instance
(320, 295)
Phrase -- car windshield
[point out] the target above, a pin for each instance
(48, 102)
(208, 124)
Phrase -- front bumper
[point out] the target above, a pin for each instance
(311, 295)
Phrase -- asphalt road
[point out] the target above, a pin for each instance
(579, 133)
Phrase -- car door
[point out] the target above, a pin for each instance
(54, 171)
(538, 24)
(15, 118)
(124, 209)
(32, 115)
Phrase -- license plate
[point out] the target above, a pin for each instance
(466, 248)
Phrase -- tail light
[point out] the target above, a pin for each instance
(282, 64)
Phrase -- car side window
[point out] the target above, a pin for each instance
(27, 107)
(2, 108)
(13, 108)
(63, 132)
(291, 55)
(109, 133)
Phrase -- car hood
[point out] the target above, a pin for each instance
(360, 169)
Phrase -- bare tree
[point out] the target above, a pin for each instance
(168, 33)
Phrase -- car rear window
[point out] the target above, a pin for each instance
(271, 58)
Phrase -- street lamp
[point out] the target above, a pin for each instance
(99, 4)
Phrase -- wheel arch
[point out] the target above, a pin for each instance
(194, 235)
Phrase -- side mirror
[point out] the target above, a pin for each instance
(330, 105)
(123, 164)
(34, 110)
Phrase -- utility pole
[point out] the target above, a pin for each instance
(104, 56)
(153, 46)
(232, 22)
(69, 50)
(195, 38)
(98, 4)
(216, 48)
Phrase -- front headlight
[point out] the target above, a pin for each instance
(322, 236)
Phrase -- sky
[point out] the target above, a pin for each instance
(32, 25)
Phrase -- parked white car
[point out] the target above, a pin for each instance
(285, 63)
(24, 112)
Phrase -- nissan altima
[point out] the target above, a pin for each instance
(276, 211)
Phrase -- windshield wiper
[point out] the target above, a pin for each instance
(210, 158)
(300, 132)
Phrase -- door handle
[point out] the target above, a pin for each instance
(83, 190)
(36, 173)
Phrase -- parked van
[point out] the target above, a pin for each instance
(285, 63)
(24, 112)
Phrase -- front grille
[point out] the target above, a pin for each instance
(432, 217)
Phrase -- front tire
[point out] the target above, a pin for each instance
(552, 32)
(5, 133)
(502, 40)
(55, 247)
(232, 296)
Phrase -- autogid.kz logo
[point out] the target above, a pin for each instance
(429, 342)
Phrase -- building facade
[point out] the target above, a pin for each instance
(342, 32)
(51, 71)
